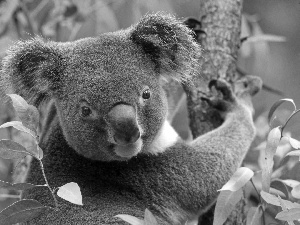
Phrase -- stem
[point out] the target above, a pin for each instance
(47, 184)
(255, 189)
(263, 216)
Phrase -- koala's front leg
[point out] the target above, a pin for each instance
(223, 149)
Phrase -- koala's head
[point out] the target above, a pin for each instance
(107, 90)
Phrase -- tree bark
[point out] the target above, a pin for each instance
(221, 22)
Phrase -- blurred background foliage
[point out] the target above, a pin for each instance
(271, 51)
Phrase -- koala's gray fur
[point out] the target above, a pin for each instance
(113, 141)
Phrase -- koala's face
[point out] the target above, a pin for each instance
(107, 90)
(111, 104)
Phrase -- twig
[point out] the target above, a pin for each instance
(47, 184)
(255, 189)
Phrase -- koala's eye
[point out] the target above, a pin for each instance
(146, 94)
(85, 111)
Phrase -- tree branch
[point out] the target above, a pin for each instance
(221, 22)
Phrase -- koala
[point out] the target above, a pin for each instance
(108, 130)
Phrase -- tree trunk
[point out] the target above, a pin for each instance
(221, 22)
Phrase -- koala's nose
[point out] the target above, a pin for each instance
(123, 124)
(127, 138)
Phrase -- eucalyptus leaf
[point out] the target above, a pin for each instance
(17, 186)
(284, 208)
(130, 219)
(19, 126)
(238, 179)
(273, 140)
(149, 218)
(225, 204)
(294, 153)
(70, 192)
(290, 182)
(21, 211)
(19, 103)
(277, 104)
(279, 188)
(12, 150)
(254, 216)
(35, 151)
(294, 143)
(274, 200)
(28, 114)
(296, 192)
(288, 215)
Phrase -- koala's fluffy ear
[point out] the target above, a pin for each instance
(31, 68)
(169, 44)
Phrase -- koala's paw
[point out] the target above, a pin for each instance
(247, 85)
(224, 98)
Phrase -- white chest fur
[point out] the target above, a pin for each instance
(165, 138)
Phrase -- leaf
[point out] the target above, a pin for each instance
(294, 143)
(292, 214)
(284, 208)
(266, 37)
(277, 192)
(31, 119)
(70, 192)
(273, 200)
(149, 218)
(238, 179)
(291, 183)
(294, 153)
(254, 216)
(17, 186)
(35, 151)
(296, 191)
(225, 204)
(272, 144)
(19, 103)
(279, 188)
(12, 150)
(28, 114)
(19, 126)
(130, 219)
(21, 211)
(277, 104)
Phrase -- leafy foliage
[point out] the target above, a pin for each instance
(27, 209)
(272, 188)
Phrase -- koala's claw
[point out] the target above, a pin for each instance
(227, 99)
(224, 87)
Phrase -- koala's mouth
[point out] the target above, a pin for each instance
(130, 150)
